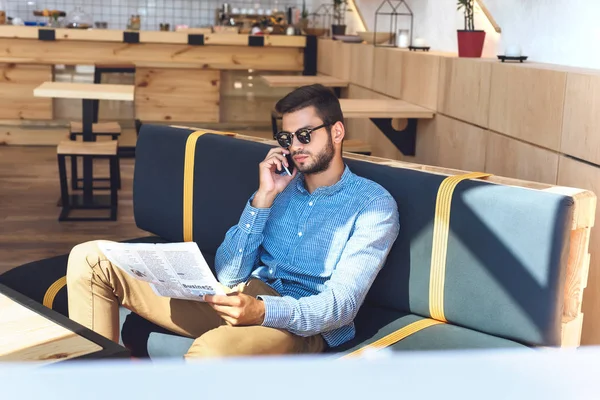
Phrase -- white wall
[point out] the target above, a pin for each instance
(563, 32)
(434, 20)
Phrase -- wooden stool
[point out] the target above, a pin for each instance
(107, 149)
(112, 129)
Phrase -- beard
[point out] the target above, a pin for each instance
(322, 160)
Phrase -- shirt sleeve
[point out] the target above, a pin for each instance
(375, 231)
(236, 257)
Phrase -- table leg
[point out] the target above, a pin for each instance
(88, 136)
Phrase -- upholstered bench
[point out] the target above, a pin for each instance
(484, 262)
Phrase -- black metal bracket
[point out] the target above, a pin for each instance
(405, 140)
(47, 34)
(256, 41)
(131, 37)
(196, 39)
(310, 56)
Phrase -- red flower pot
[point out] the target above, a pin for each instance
(470, 43)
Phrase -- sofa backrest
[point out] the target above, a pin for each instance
(507, 246)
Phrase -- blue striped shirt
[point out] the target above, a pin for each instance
(320, 251)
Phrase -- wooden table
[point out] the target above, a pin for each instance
(89, 93)
(30, 331)
(381, 113)
(294, 81)
(302, 80)
(371, 108)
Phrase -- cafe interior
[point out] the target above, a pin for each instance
(144, 121)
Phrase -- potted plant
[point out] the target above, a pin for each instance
(304, 17)
(339, 15)
(470, 40)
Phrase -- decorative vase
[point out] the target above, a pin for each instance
(338, 29)
(470, 43)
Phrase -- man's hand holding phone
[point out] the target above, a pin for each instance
(272, 180)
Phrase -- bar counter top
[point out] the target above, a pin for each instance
(127, 36)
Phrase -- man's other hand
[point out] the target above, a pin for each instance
(237, 309)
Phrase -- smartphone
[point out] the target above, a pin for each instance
(290, 168)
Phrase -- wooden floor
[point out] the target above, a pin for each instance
(29, 190)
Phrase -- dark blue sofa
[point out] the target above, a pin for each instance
(507, 256)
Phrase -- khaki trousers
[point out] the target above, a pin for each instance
(96, 289)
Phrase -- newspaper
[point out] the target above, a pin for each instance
(176, 270)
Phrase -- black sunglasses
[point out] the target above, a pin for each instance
(285, 139)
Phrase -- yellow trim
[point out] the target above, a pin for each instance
(188, 182)
(395, 336)
(53, 291)
(439, 249)
(188, 185)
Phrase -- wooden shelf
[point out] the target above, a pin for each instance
(301, 80)
(372, 108)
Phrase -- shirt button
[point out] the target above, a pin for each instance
(310, 204)
(247, 225)
(252, 213)
(241, 250)
(299, 233)
(271, 270)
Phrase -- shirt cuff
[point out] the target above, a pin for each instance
(278, 312)
(253, 220)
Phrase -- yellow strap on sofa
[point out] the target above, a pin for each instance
(188, 185)
(439, 250)
(395, 336)
(437, 278)
(188, 181)
(53, 290)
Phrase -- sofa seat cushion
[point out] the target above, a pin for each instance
(374, 323)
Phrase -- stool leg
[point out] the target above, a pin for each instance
(114, 199)
(118, 172)
(64, 191)
(74, 177)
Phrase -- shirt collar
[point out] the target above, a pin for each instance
(326, 190)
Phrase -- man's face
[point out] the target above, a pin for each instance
(315, 156)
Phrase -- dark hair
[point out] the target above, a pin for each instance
(326, 104)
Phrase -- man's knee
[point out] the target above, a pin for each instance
(83, 257)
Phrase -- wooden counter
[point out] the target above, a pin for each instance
(177, 74)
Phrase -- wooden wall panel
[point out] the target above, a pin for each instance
(514, 159)
(464, 90)
(580, 175)
(361, 62)
(364, 130)
(324, 56)
(17, 82)
(420, 77)
(581, 123)
(341, 59)
(527, 103)
(387, 76)
(177, 95)
(449, 143)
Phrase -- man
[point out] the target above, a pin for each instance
(297, 266)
